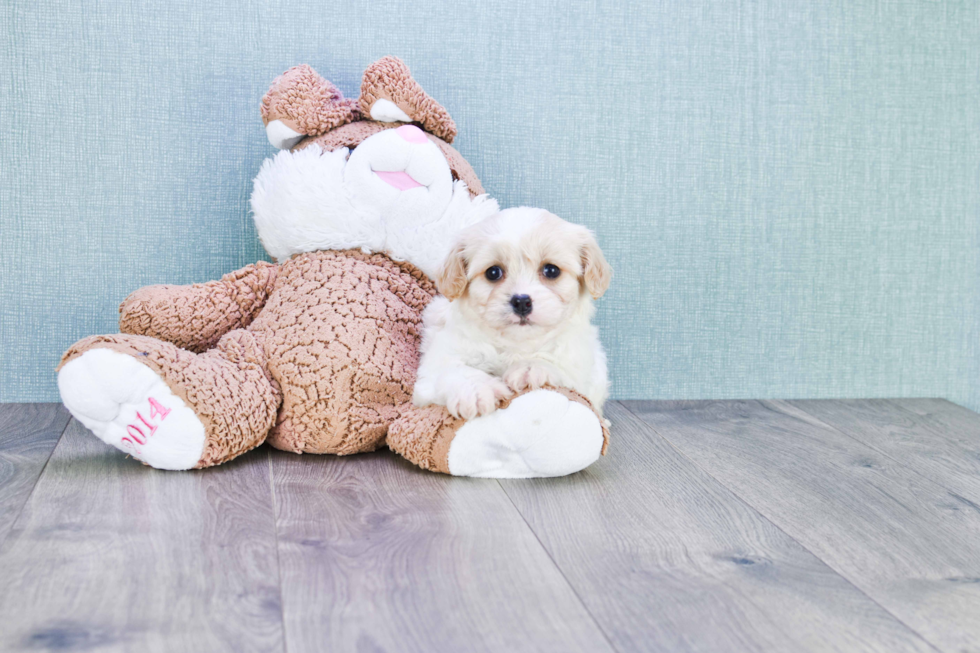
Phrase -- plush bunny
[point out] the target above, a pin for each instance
(318, 352)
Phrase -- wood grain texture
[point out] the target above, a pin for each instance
(378, 555)
(28, 435)
(667, 559)
(111, 555)
(906, 541)
(934, 437)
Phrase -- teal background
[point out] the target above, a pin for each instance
(789, 191)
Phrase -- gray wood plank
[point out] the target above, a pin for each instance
(378, 555)
(111, 555)
(28, 434)
(667, 559)
(904, 540)
(931, 436)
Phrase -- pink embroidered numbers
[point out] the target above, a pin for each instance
(157, 409)
(139, 432)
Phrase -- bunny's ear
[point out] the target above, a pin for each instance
(301, 103)
(389, 94)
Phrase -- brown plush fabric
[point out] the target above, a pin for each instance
(349, 136)
(461, 167)
(341, 333)
(389, 78)
(195, 317)
(229, 387)
(333, 351)
(307, 103)
(423, 436)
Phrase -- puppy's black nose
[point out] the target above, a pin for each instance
(521, 304)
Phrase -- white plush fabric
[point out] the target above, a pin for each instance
(282, 136)
(542, 433)
(311, 200)
(300, 204)
(387, 111)
(111, 393)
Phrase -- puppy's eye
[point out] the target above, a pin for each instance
(551, 271)
(494, 273)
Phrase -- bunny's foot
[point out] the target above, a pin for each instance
(127, 405)
(546, 432)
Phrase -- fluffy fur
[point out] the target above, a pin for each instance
(310, 200)
(478, 351)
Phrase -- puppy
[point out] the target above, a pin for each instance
(514, 315)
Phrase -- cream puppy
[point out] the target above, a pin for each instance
(515, 315)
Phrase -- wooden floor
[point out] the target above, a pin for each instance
(710, 526)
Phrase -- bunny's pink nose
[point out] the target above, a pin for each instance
(411, 133)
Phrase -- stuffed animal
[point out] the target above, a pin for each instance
(317, 353)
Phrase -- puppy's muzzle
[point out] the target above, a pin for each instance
(521, 305)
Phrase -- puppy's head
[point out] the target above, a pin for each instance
(523, 269)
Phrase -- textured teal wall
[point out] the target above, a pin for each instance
(789, 191)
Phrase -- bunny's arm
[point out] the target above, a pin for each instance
(195, 317)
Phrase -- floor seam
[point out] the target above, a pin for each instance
(763, 515)
(27, 499)
(872, 447)
(561, 572)
(275, 533)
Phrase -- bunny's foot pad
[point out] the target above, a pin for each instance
(541, 433)
(127, 405)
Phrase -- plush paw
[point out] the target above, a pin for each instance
(474, 398)
(541, 433)
(531, 376)
(127, 405)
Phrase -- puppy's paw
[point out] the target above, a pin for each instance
(531, 376)
(477, 398)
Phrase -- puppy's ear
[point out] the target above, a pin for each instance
(452, 278)
(597, 272)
